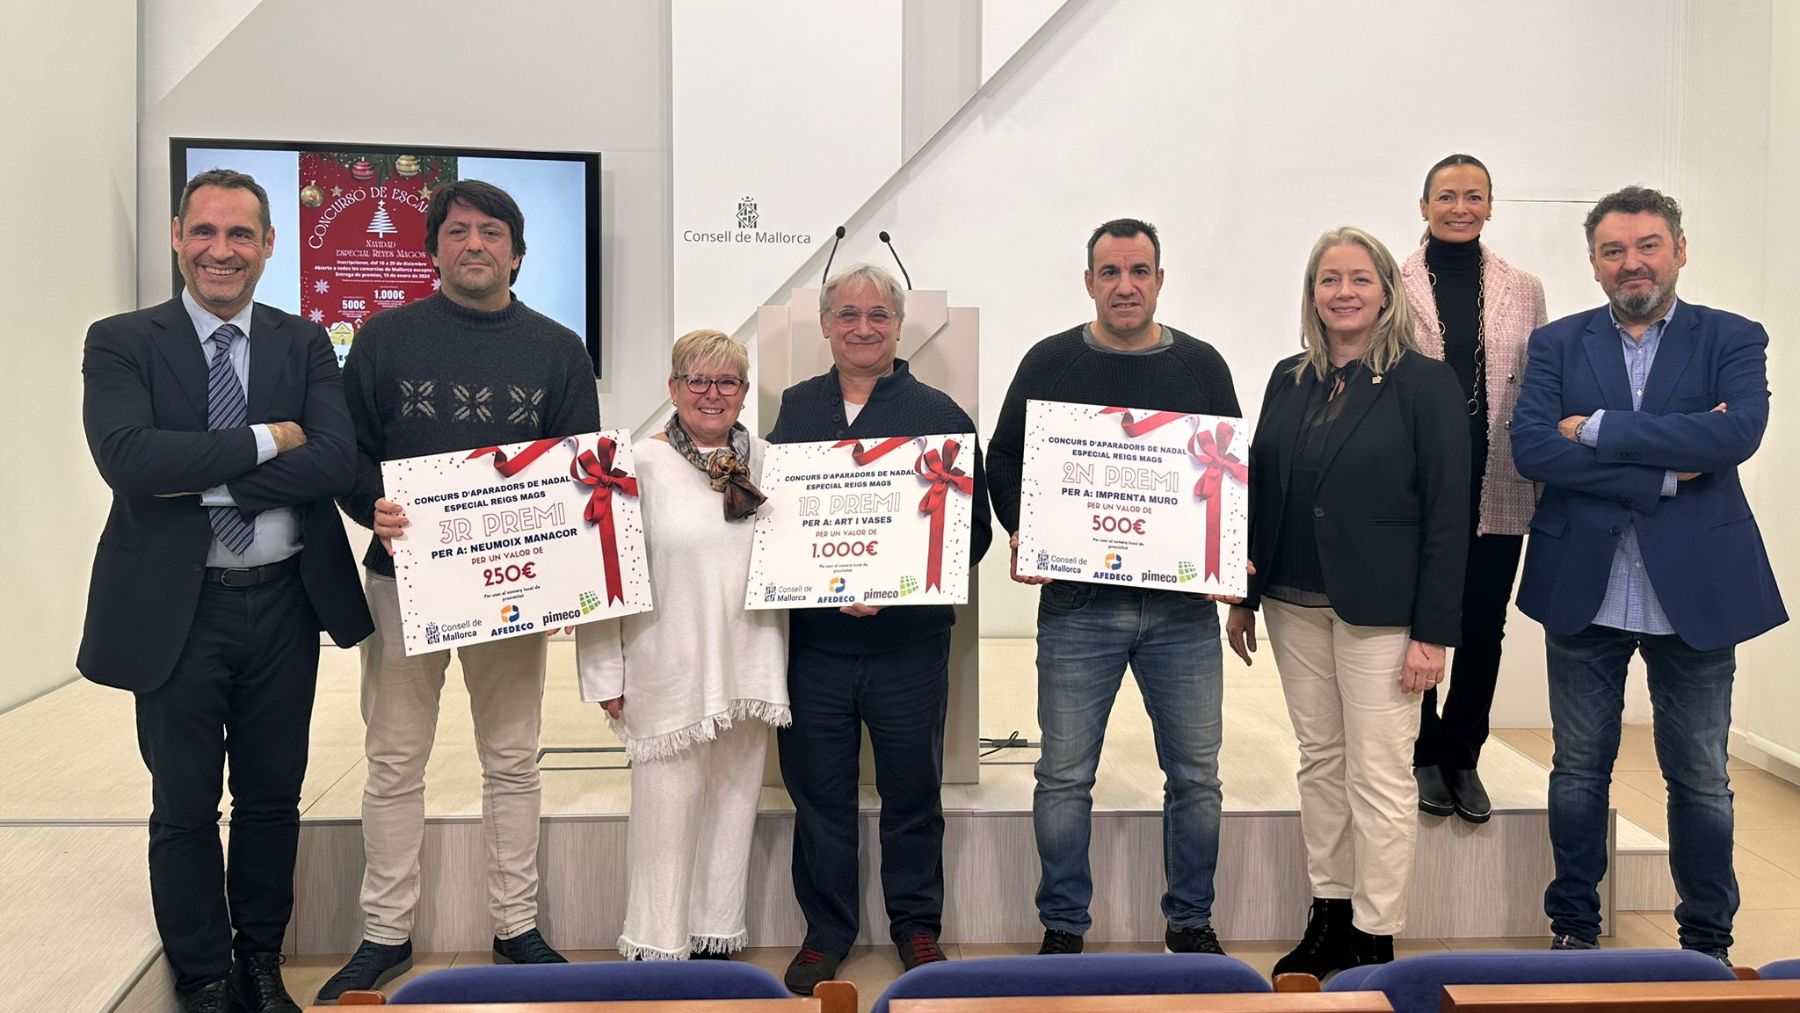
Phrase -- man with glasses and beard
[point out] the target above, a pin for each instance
(1635, 417)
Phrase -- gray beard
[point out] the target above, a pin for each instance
(1637, 307)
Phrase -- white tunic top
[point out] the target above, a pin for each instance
(700, 661)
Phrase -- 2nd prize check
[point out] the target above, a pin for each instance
(517, 539)
(881, 522)
(1115, 495)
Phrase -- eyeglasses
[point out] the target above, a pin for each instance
(849, 316)
(728, 385)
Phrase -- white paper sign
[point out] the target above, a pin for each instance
(881, 522)
(1135, 496)
(506, 541)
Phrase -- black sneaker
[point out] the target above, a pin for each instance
(1719, 955)
(257, 978)
(1328, 945)
(216, 997)
(920, 948)
(1056, 941)
(528, 947)
(1470, 795)
(1571, 943)
(1434, 792)
(1200, 939)
(808, 968)
(371, 966)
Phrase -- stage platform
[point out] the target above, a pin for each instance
(73, 808)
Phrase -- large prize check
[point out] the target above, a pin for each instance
(1130, 496)
(881, 522)
(505, 541)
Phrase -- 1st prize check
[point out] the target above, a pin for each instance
(505, 541)
(1132, 496)
(880, 522)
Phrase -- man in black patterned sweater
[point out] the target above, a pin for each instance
(1088, 633)
(471, 366)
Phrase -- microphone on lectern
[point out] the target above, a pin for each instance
(834, 245)
(903, 274)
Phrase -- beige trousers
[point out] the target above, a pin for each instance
(688, 857)
(1358, 800)
(400, 710)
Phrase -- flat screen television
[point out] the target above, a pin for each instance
(349, 224)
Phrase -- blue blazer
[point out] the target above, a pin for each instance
(1702, 549)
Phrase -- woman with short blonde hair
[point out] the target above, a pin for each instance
(693, 687)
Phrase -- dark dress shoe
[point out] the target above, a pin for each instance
(1470, 796)
(808, 968)
(370, 967)
(216, 997)
(259, 985)
(1434, 792)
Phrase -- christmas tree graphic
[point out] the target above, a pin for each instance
(381, 224)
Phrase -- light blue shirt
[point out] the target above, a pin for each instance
(277, 531)
(1630, 603)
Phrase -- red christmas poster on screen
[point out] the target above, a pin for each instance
(362, 225)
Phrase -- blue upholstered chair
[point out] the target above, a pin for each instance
(1081, 974)
(615, 981)
(1782, 970)
(1416, 984)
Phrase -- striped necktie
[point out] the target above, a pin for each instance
(225, 410)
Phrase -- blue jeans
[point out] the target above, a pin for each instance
(1087, 634)
(1690, 696)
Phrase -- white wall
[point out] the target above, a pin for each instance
(1245, 130)
(589, 76)
(68, 162)
(1768, 694)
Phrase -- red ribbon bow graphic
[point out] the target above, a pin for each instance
(874, 453)
(1138, 427)
(942, 473)
(1210, 451)
(594, 469)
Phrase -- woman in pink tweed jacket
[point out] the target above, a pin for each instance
(1476, 312)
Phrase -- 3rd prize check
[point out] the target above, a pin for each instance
(880, 522)
(506, 541)
(1114, 495)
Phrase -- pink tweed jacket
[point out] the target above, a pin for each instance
(1513, 306)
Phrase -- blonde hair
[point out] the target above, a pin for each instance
(708, 346)
(1393, 335)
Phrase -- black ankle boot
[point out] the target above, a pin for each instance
(1371, 949)
(1329, 943)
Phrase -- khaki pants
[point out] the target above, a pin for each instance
(400, 709)
(1358, 800)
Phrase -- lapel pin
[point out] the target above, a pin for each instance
(1375, 379)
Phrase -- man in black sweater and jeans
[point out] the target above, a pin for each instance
(1088, 633)
(888, 668)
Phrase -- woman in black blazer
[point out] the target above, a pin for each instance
(1359, 515)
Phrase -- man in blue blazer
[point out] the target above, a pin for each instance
(1635, 417)
(221, 427)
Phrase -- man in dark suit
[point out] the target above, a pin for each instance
(1635, 416)
(221, 427)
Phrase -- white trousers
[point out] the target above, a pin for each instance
(400, 711)
(688, 858)
(1356, 726)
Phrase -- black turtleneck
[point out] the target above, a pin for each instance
(1456, 273)
(1456, 281)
